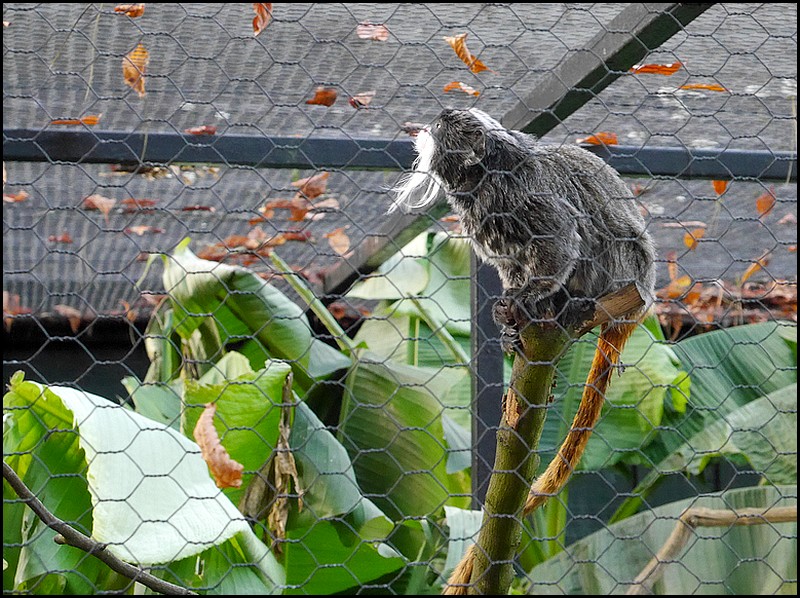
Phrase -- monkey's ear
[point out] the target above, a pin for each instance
(477, 148)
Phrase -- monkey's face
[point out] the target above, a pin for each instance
(459, 142)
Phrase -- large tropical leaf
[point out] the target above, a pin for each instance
(747, 560)
(152, 499)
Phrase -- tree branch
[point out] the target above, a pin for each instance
(690, 520)
(71, 537)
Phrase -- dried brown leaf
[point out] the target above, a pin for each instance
(98, 202)
(672, 265)
(459, 86)
(143, 229)
(201, 130)
(362, 100)
(656, 69)
(65, 238)
(601, 138)
(132, 10)
(263, 16)
(134, 67)
(765, 202)
(312, 186)
(704, 86)
(90, 120)
(691, 238)
(760, 263)
(12, 308)
(227, 473)
(134, 205)
(459, 45)
(323, 96)
(788, 219)
(338, 240)
(719, 187)
(72, 315)
(374, 32)
(15, 197)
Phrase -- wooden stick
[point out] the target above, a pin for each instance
(690, 520)
(68, 535)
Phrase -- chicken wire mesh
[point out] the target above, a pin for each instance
(370, 472)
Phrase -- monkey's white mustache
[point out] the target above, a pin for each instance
(420, 187)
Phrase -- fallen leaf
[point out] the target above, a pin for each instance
(303, 236)
(130, 314)
(12, 308)
(215, 253)
(685, 289)
(201, 130)
(263, 16)
(338, 240)
(788, 219)
(89, 121)
(362, 100)
(72, 315)
(134, 66)
(720, 187)
(98, 202)
(656, 69)
(601, 138)
(323, 96)
(198, 208)
(62, 238)
(134, 205)
(459, 86)
(459, 45)
(672, 265)
(312, 186)
(378, 33)
(691, 238)
(760, 263)
(144, 229)
(15, 197)
(298, 206)
(227, 473)
(132, 10)
(765, 202)
(705, 86)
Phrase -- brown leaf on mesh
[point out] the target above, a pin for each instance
(672, 265)
(132, 204)
(132, 10)
(765, 202)
(704, 86)
(98, 202)
(361, 100)
(459, 86)
(297, 206)
(760, 263)
(683, 288)
(720, 187)
(90, 120)
(691, 238)
(134, 67)
(459, 45)
(263, 16)
(788, 219)
(72, 315)
(656, 69)
(144, 229)
(338, 240)
(374, 32)
(284, 471)
(227, 473)
(15, 197)
(323, 96)
(601, 138)
(201, 130)
(65, 238)
(313, 186)
(12, 307)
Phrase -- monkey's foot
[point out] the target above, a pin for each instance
(504, 314)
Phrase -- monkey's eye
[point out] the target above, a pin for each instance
(438, 125)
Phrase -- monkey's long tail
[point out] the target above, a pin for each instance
(609, 346)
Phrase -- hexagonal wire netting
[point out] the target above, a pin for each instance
(241, 375)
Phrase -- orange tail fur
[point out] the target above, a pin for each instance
(607, 355)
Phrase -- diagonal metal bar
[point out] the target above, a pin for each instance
(628, 38)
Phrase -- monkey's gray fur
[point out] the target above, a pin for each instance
(558, 224)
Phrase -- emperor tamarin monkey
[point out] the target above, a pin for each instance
(561, 228)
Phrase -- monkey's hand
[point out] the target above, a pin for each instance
(505, 314)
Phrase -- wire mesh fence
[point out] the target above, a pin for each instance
(228, 365)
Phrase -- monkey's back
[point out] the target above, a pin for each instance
(559, 214)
